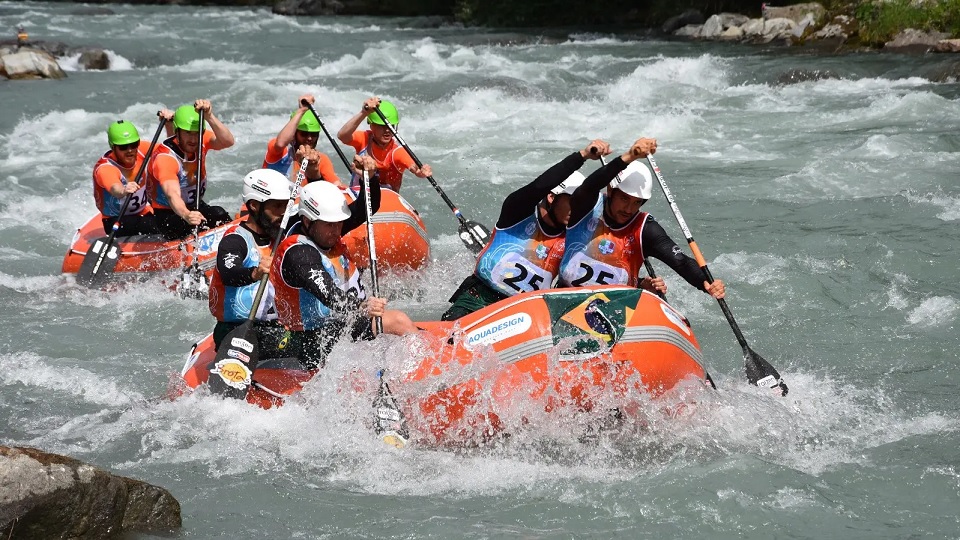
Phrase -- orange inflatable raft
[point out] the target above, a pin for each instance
(556, 350)
(400, 233)
(146, 253)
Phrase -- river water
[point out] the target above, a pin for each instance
(829, 207)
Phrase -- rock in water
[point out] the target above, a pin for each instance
(94, 59)
(30, 64)
(51, 496)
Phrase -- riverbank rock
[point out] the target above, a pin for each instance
(29, 63)
(913, 41)
(308, 7)
(796, 12)
(46, 496)
(947, 45)
(690, 16)
(717, 24)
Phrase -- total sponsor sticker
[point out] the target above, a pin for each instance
(498, 330)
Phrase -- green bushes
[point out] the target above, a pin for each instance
(881, 20)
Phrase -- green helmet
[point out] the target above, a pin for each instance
(186, 118)
(388, 110)
(308, 122)
(122, 132)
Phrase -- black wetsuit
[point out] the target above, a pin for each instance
(473, 293)
(655, 241)
(302, 267)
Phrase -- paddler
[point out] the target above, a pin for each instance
(114, 177)
(378, 142)
(298, 140)
(526, 247)
(243, 258)
(173, 177)
(319, 297)
(608, 236)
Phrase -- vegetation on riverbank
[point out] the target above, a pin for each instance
(879, 20)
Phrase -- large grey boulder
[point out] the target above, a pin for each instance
(914, 41)
(752, 28)
(690, 16)
(712, 28)
(28, 63)
(44, 496)
(781, 28)
(689, 31)
(796, 12)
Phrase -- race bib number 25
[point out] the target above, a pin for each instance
(518, 274)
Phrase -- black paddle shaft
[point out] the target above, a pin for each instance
(89, 280)
(333, 143)
(371, 248)
(479, 240)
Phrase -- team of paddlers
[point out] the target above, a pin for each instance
(560, 230)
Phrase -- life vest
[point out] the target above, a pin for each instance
(297, 308)
(233, 304)
(186, 174)
(109, 205)
(285, 164)
(597, 254)
(521, 258)
(390, 176)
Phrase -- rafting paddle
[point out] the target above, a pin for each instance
(333, 143)
(102, 256)
(192, 274)
(389, 422)
(239, 352)
(759, 371)
(473, 235)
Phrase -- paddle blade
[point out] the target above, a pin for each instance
(388, 418)
(473, 235)
(762, 373)
(99, 262)
(193, 284)
(231, 372)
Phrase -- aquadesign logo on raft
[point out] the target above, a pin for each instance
(499, 330)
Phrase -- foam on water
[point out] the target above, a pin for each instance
(949, 204)
(47, 374)
(934, 311)
(117, 62)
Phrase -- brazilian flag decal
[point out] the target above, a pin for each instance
(598, 317)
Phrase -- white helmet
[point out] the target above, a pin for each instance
(265, 185)
(323, 201)
(635, 181)
(569, 185)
